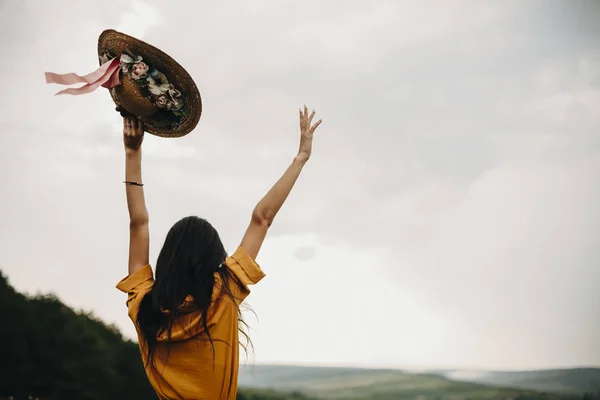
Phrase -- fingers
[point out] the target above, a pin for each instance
(137, 125)
(304, 112)
(306, 120)
(303, 124)
(122, 111)
(130, 126)
(133, 126)
(316, 125)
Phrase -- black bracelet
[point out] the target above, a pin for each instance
(133, 183)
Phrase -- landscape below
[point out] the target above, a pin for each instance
(50, 351)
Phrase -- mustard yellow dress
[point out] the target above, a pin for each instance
(189, 370)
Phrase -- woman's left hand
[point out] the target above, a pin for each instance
(133, 132)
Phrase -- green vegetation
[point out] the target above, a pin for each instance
(268, 394)
(354, 383)
(51, 352)
(569, 381)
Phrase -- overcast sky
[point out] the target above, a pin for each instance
(449, 216)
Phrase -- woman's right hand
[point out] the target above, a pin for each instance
(306, 133)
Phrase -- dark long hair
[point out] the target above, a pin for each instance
(186, 265)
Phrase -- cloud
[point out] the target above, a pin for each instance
(306, 253)
(348, 305)
(139, 19)
(453, 185)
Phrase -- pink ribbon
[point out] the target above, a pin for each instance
(106, 76)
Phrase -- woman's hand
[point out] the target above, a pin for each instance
(306, 133)
(133, 132)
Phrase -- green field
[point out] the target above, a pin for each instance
(351, 383)
(49, 351)
(574, 380)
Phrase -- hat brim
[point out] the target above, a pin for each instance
(113, 42)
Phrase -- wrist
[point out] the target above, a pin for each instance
(301, 159)
(129, 152)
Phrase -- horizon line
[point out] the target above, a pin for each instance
(414, 369)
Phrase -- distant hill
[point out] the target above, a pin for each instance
(573, 381)
(356, 383)
(51, 352)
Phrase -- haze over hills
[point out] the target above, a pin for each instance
(51, 351)
(350, 383)
(572, 380)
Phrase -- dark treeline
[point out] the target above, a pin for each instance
(50, 352)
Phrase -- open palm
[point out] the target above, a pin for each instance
(306, 132)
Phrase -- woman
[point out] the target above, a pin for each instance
(187, 317)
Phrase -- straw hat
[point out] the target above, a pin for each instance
(144, 81)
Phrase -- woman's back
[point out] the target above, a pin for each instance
(184, 365)
(194, 354)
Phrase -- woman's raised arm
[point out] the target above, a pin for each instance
(266, 209)
(139, 238)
